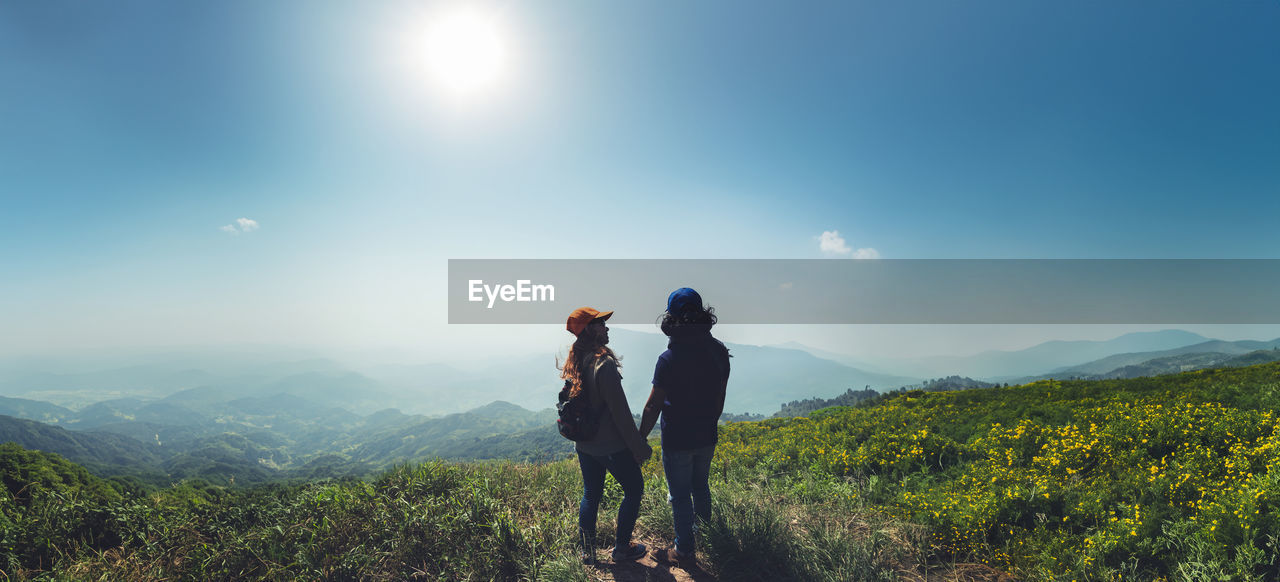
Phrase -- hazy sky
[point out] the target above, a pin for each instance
(135, 136)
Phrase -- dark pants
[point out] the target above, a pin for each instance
(688, 473)
(625, 470)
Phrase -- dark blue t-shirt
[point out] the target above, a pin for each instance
(692, 372)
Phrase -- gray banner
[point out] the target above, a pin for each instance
(881, 291)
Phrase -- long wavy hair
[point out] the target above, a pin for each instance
(586, 349)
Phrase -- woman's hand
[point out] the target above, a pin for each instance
(643, 454)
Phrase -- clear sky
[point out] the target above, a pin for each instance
(135, 136)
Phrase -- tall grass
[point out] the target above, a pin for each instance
(805, 527)
(439, 521)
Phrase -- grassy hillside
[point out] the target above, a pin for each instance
(1170, 477)
(1175, 477)
(435, 521)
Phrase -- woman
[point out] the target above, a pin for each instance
(689, 385)
(616, 446)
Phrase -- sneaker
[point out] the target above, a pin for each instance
(676, 557)
(630, 553)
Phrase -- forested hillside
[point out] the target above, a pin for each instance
(279, 437)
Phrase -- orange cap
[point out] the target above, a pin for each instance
(582, 317)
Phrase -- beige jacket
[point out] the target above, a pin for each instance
(617, 428)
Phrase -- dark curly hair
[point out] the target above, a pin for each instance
(668, 322)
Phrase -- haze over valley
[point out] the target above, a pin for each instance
(253, 415)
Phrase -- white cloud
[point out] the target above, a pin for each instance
(245, 225)
(786, 286)
(832, 243)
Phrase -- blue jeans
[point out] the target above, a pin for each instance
(688, 491)
(625, 470)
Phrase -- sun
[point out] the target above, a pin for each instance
(464, 51)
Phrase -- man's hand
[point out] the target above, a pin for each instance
(644, 454)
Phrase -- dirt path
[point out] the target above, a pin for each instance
(645, 569)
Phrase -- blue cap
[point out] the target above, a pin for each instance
(683, 300)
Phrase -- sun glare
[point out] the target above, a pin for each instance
(464, 51)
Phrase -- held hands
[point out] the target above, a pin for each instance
(643, 454)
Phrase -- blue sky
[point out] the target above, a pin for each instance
(134, 131)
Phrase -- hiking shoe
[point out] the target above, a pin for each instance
(588, 558)
(676, 557)
(630, 553)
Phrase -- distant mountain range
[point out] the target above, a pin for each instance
(260, 420)
(1008, 366)
(1211, 354)
(1186, 362)
(763, 377)
(313, 417)
(1128, 356)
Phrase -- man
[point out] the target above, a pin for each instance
(689, 384)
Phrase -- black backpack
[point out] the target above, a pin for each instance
(577, 421)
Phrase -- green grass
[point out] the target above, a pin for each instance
(435, 521)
